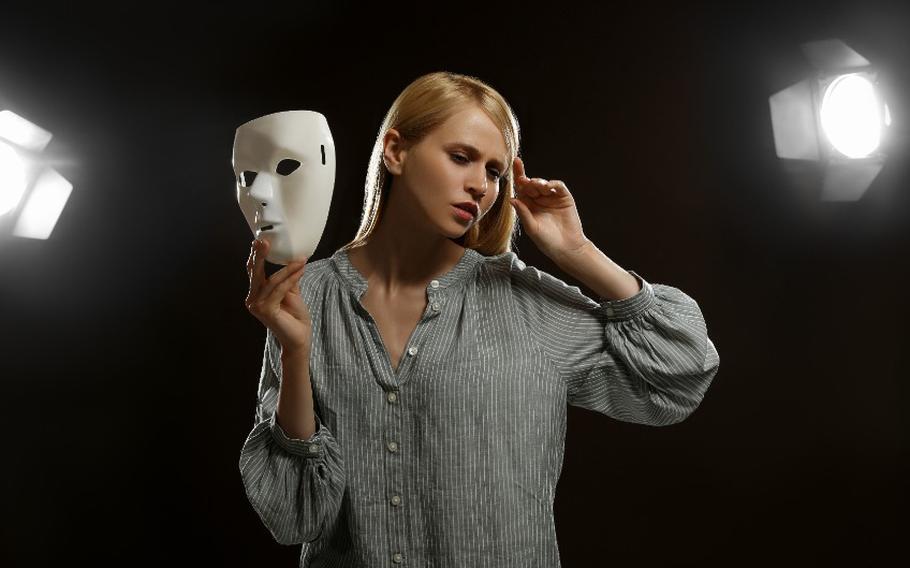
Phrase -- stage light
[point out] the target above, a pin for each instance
(835, 119)
(43, 206)
(32, 194)
(12, 178)
(851, 117)
(22, 132)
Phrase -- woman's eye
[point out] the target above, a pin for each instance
(458, 158)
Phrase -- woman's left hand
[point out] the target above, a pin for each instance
(548, 214)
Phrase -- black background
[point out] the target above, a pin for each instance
(129, 363)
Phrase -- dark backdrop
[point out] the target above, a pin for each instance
(129, 363)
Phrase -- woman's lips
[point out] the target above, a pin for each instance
(462, 214)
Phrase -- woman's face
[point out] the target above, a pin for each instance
(462, 160)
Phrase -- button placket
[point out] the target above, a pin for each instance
(434, 298)
(394, 476)
(395, 479)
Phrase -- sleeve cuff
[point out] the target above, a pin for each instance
(312, 447)
(631, 307)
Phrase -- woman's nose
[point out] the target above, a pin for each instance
(479, 184)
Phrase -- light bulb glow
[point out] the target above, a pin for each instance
(851, 116)
(12, 178)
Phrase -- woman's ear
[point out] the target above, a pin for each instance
(394, 151)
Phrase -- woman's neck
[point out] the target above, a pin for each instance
(395, 265)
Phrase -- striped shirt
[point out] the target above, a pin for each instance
(453, 458)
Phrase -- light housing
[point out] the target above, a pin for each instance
(836, 120)
(32, 194)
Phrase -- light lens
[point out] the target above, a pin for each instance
(851, 116)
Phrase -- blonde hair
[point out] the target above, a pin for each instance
(420, 108)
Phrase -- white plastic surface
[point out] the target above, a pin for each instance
(296, 203)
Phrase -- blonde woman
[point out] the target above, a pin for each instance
(412, 401)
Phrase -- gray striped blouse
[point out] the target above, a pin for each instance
(453, 458)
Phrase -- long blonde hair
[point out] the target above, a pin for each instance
(421, 107)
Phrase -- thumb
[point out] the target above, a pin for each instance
(522, 210)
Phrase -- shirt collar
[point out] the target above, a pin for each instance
(458, 274)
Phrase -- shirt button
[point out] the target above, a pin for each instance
(396, 500)
(435, 306)
(393, 446)
(392, 397)
(435, 283)
(412, 351)
(314, 448)
(609, 311)
(396, 558)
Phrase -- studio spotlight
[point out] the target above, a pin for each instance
(836, 120)
(13, 175)
(32, 194)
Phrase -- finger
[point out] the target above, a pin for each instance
(521, 183)
(280, 276)
(277, 294)
(557, 187)
(257, 272)
(534, 187)
(542, 186)
(522, 175)
(249, 260)
(519, 167)
(524, 215)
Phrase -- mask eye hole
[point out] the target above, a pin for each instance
(246, 178)
(287, 166)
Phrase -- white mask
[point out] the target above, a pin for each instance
(284, 165)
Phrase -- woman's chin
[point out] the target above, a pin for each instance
(459, 234)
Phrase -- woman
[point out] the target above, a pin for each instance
(412, 400)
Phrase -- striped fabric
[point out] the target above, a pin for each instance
(453, 458)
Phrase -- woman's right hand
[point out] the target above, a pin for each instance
(276, 301)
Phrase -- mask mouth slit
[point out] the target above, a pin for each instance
(267, 228)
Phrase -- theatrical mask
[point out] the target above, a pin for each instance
(284, 167)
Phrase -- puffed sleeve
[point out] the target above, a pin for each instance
(295, 485)
(645, 359)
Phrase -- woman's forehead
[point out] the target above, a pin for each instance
(474, 128)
